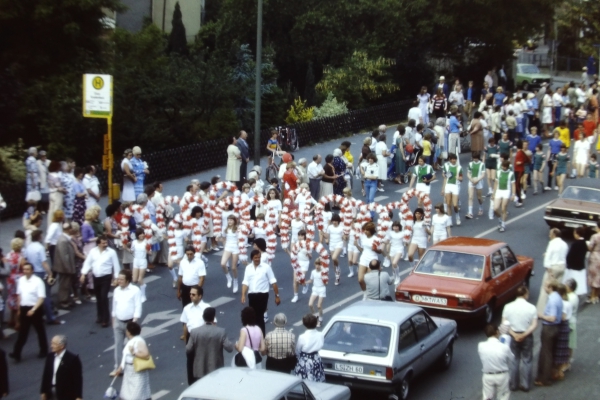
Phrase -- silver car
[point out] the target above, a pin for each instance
(380, 346)
(244, 383)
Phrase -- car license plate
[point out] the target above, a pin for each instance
(431, 299)
(571, 225)
(357, 369)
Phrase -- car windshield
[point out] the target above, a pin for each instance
(529, 69)
(581, 194)
(358, 338)
(451, 264)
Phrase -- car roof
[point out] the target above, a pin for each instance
(234, 383)
(469, 245)
(376, 311)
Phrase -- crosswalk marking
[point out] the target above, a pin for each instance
(402, 190)
(220, 301)
(379, 198)
(159, 394)
(151, 278)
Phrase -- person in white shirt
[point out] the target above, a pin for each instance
(555, 263)
(105, 267)
(192, 272)
(31, 293)
(415, 113)
(557, 103)
(92, 186)
(255, 285)
(395, 247)
(309, 365)
(192, 317)
(522, 316)
(496, 358)
(441, 224)
(127, 306)
(318, 290)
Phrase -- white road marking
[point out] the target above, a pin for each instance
(220, 301)
(510, 221)
(379, 198)
(349, 299)
(159, 394)
(151, 278)
(403, 190)
(406, 271)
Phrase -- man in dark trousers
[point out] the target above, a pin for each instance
(62, 378)
(64, 264)
(245, 150)
(206, 345)
(3, 374)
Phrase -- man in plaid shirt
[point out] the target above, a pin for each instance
(281, 347)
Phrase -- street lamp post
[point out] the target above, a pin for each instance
(257, 93)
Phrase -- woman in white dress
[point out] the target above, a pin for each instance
(232, 250)
(420, 236)
(440, 224)
(369, 252)
(382, 152)
(174, 260)
(136, 385)
(234, 161)
(129, 178)
(273, 208)
(334, 235)
(140, 260)
(581, 152)
(424, 98)
(395, 240)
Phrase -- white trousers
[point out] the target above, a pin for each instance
(495, 386)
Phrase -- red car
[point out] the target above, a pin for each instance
(466, 277)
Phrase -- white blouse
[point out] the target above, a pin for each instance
(335, 234)
(440, 223)
(395, 239)
(419, 231)
(134, 342)
(367, 245)
(310, 341)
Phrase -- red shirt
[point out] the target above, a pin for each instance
(520, 160)
(588, 127)
(291, 179)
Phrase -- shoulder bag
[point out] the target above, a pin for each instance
(140, 364)
(239, 358)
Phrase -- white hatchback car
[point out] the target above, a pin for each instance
(254, 384)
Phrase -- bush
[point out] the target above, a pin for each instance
(12, 165)
(299, 112)
(330, 107)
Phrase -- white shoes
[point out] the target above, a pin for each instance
(305, 289)
(380, 189)
(457, 220)
(229, 281)
(351, 274)
(235, 285)
(295, 298)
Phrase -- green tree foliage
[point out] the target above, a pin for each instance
(579, 27)
(177, 38)
(299, 112)
(330, 107)
(310, 93)
(359, 79)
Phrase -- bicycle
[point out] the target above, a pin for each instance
(287, 138)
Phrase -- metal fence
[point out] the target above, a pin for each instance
(187, 160)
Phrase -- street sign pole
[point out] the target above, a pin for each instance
(98, 103)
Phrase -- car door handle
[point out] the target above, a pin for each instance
(422, 346)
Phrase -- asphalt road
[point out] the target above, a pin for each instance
(526, 233)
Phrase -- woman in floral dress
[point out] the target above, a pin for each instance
(340, 169)
(13, 260)
(594, 266)
(309, 364)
